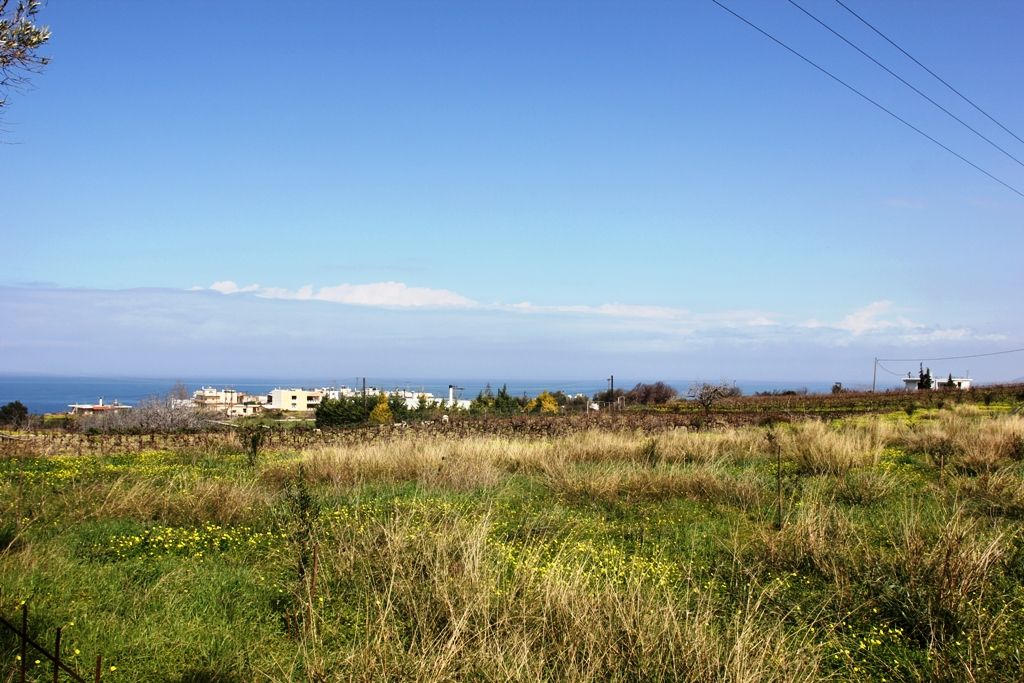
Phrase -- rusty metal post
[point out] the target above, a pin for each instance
(24, 641)
(99, 667)
(56, 657)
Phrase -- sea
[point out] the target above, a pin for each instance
(53, 394)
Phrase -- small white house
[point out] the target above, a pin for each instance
(911, 383)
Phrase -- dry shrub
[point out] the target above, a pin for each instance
(817, 448)
(438, 602)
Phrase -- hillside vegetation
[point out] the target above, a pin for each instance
(589, 555)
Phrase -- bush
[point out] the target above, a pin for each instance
(651, 394)
(14, 413)
(341, 412)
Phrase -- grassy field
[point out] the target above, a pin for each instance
(595, 554)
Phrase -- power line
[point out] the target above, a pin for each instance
(905, 82)
(897, 374)
(935, 75)
(858, 92)
(973, 355)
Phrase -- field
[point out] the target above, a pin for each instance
(872, 547)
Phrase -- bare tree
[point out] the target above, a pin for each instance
(707, 394)
(153, 415)
(178, 392)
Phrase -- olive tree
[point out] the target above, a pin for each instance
(20, 39)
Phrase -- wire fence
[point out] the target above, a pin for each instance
(60, 667)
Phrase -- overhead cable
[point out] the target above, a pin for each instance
(891, 372)
(905, 82)
(973, 355)
(869, 99)
(935, 75)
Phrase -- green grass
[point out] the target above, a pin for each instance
(585, 557)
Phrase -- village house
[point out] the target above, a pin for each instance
(924, 381)
(96, 408)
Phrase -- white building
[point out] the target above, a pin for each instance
(294, 400)
(911, 383)
(96, 408)
(216, 399)
(231, 402)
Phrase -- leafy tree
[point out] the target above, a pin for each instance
(14, 413)
(20, 39)
(340, 412)
(651, 394)
(607, 396)
(399, 410)
(505, 404)
(544, 404)
(381, 413)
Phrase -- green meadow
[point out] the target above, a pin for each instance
(875, 548)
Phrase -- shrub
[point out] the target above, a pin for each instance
(14, 413)
(381, 413)
(651, 394)
(341, 412)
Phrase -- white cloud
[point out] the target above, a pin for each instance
(230, 287)
(952, 334)
(669, 325)
(731, 319)
(869, 319)
(609, 310)
(378, 294)
(880, 318)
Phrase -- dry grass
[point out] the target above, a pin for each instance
(936, 582)
(181, 500)
(970, 440)
(818, 448)
(609, 482)
(444, 606)
(816, 536)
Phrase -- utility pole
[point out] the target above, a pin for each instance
(874, 374)
(364, 393)
(611, 391)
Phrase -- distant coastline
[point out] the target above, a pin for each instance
(53, 393)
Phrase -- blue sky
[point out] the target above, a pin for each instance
(508, 189)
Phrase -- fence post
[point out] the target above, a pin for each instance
(99, 665)
(56, 657)
(24, 641)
